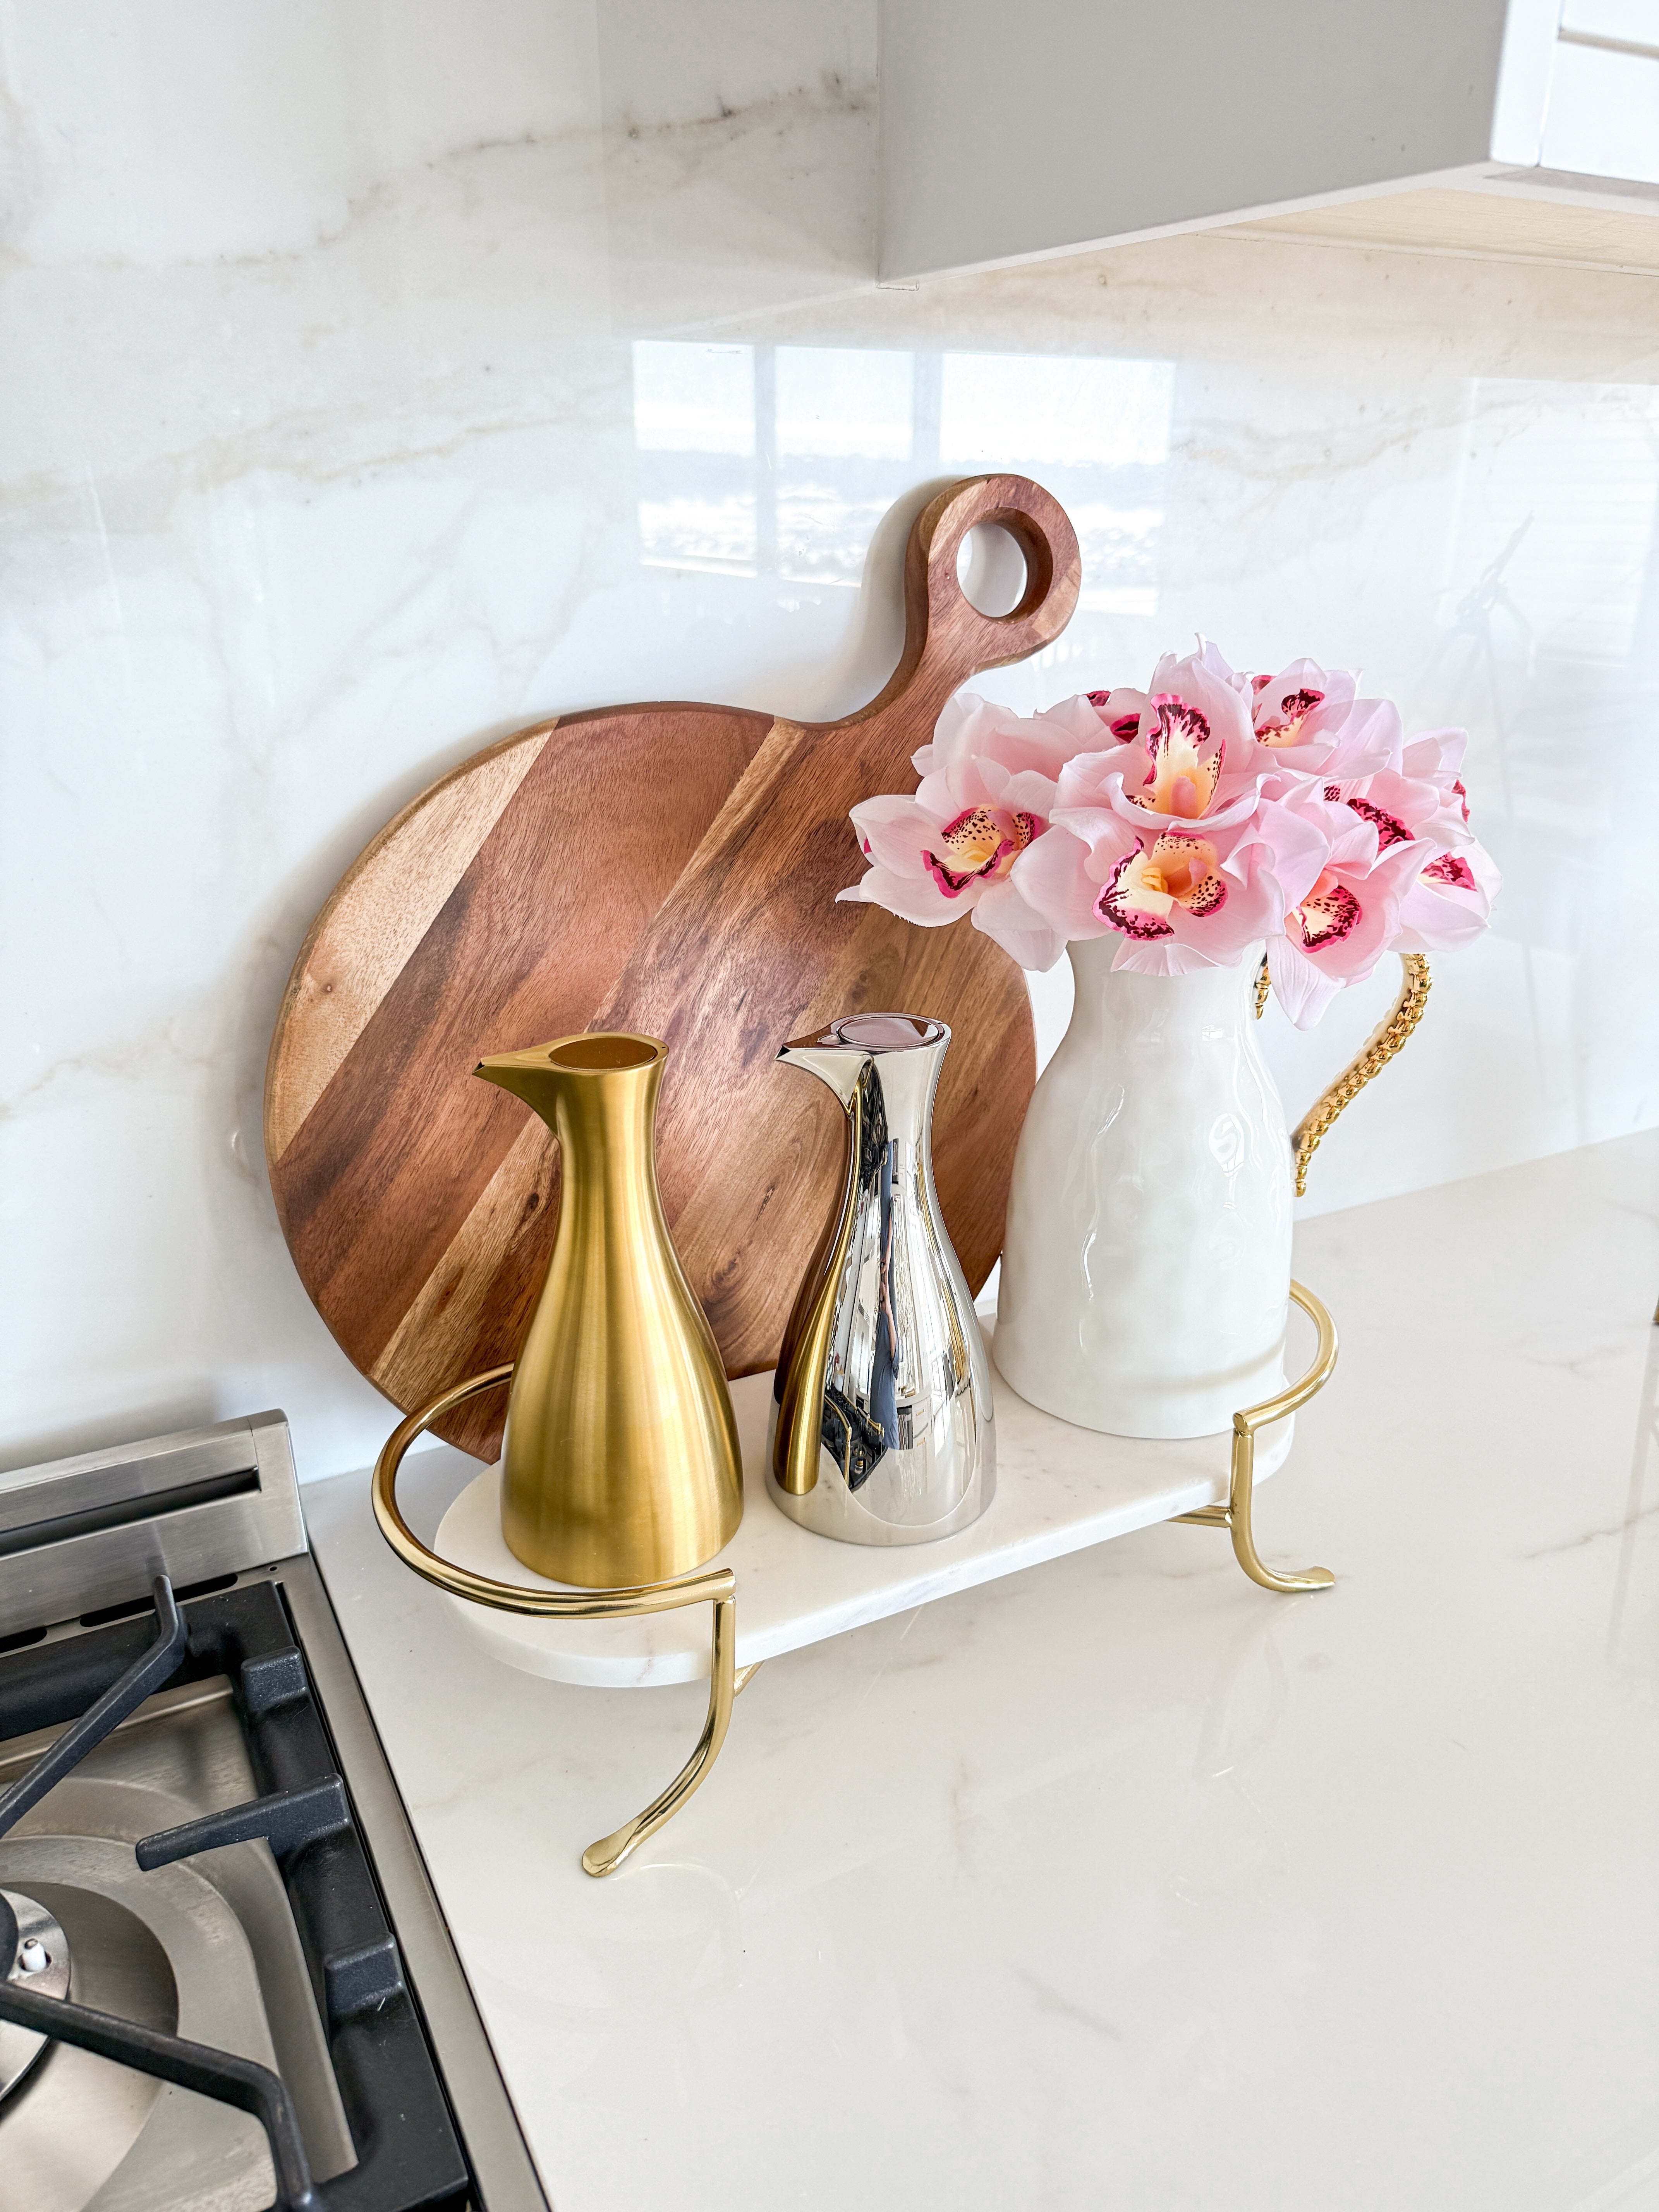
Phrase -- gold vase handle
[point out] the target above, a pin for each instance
(1386, 1039)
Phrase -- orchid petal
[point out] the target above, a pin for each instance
(895, 834)
(1053, 877)
(1302, 991)
(913, 899)
(1024, 933)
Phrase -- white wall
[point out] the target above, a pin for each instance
(378, 378)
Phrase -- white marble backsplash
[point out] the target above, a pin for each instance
(380, 379)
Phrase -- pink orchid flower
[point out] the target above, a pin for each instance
(1167, 841)
(1340, 928)
(1301, 704)
(987, 787)
(1309, 720)
(1222, 808)
(1190, 747)
(1422, 799)
(1182, 892)
(1121, 710)
(1450, 901)
(1436, 757)
(973, 729)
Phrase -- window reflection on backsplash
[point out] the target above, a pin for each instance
(845, 403)
(999, 408)
(782, 459)
(697, 399)
(1549, 594)
(1120, 557)
(1101, 424)
(1565, 478)
(716, 533)
(847, 431)
(694, 398)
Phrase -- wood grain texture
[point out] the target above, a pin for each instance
(670, 868)
(398, 886)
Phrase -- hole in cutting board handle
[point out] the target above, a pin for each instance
(991, 568)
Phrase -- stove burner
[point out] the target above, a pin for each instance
(41, 1964)
(391, 2108)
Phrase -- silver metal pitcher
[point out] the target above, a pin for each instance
(881, 1426)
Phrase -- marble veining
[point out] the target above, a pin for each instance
(376, 384)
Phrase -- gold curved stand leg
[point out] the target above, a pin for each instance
(608, 1854)
(726, 1683)
(718, 1584)
(1234, 1515)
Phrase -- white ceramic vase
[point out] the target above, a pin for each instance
(1146, 1266)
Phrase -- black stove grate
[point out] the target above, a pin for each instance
(409, 2156)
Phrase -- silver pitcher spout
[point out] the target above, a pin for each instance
(881, 1417)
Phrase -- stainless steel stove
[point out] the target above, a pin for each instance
(225, 1983)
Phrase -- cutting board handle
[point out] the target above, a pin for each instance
(947, 639)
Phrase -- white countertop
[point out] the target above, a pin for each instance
(1120, 1881)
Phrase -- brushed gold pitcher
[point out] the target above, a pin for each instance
(621, 1462)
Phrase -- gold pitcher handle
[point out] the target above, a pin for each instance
(1385, 1041)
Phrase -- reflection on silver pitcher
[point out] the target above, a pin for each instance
(881, 1416)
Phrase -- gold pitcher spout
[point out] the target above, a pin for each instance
(621, 1462)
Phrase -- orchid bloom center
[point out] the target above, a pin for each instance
(1451, 869)
(1327, 913)
(1145, 887)
(1186, 763)
(1390, 829)
(1177, 867)
(981, 846)
(1283, 727)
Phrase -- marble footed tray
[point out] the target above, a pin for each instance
(1059, 1489)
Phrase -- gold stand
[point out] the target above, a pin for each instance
(1234, 1515)
(1385, 1041)
(717, 1585)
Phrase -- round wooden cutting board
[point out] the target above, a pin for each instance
(666, 868)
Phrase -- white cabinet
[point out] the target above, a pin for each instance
(1619, 22)
(1602, 118)
(1009, 132)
